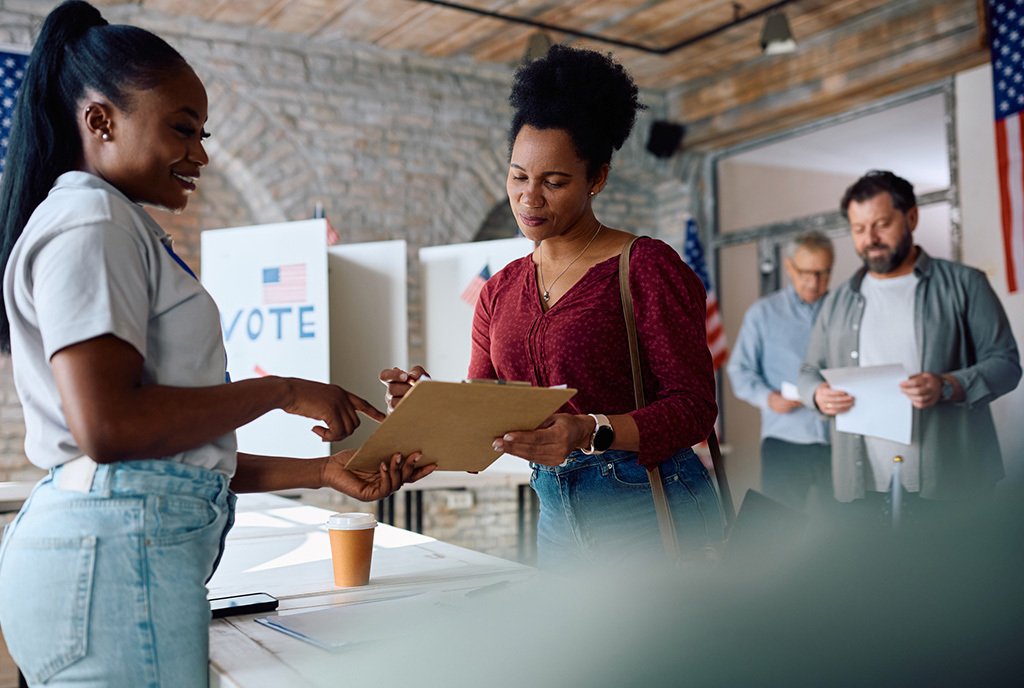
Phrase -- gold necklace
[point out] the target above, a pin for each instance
(540, 266)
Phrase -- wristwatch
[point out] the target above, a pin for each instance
(947, 390)
(604, 435)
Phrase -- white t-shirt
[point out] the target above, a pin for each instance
(887, 338)
(90, 262)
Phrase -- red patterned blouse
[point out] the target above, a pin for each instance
(581, 342)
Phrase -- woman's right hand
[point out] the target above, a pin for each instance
(399, 382)
(330, 404)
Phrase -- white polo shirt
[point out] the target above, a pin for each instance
(90, 262)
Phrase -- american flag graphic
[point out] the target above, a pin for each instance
(472, 291)
(693, 254)
(12, 71)
(1006, 29)
(284, 284)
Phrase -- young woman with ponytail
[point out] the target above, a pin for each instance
(119, 364)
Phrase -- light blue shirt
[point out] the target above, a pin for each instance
(768, 352)
(90, 262)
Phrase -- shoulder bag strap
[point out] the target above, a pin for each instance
(668, 530)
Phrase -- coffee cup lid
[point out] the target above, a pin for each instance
(352, 521)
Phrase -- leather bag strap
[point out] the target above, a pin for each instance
(669, 539)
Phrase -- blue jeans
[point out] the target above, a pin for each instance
(600, 508)
(108, 588)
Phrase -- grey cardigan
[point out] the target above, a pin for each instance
(961, 328)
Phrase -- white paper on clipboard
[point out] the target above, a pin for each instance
(880, 408)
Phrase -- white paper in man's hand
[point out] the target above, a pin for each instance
(880, 408)
(789, 391)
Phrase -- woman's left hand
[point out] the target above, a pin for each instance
(549, 444)
(371, 486)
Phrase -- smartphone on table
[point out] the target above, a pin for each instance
(251, 603)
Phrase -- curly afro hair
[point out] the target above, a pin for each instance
(585, 93)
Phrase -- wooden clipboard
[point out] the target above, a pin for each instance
(455, 423)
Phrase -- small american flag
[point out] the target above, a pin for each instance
(472, 291)
(284, 284)
(12, 71)
(1006, 27)
(693, 253)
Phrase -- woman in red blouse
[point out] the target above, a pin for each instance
(555, 318)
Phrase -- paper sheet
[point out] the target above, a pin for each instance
(341, 626)
(880, 409)
(789, 391)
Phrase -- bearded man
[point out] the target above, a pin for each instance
(944, 323)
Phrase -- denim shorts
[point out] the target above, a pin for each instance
(108, 588)
(601, 508)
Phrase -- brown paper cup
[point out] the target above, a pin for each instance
(351, 547)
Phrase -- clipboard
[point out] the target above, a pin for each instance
(455, 423)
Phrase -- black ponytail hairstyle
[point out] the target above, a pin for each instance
(76, 50)
(585, 93)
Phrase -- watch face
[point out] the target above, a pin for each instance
(947, 390)
(603, 438)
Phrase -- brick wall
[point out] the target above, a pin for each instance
(395, 146)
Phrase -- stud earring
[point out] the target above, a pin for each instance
(592, 193)
(106, 136)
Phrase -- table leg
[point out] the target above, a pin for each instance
(419, 511)
(521, 523)
(408, 510)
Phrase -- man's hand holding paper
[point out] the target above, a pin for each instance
(883, 408)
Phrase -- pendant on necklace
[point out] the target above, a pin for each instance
(547, 295)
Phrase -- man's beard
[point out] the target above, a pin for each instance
(892, 259)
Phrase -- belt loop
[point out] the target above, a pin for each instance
(76, 475)
(102, 482)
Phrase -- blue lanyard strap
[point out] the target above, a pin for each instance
(166, 243)
(177, 259)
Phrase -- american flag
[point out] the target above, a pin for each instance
(1006, 27)
(472, 291)
(12, 71)
(693, 254)
(284, 284)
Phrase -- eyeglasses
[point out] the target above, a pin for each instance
(816, 274)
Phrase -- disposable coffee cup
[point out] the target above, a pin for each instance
(351, 547)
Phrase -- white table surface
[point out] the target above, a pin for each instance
(280, 547)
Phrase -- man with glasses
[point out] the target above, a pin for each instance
(943, 322)
(764, 369)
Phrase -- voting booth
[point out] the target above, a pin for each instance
(452, 276)
(292, 306)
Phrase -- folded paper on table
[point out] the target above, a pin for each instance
(335, 627)
(880, 408)
(454, 424)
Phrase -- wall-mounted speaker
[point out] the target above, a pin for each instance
(665, 138)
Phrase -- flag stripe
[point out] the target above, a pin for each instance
(1015, 143)
(1003, 165)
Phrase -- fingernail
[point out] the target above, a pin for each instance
(507, 438)
(498, 445)
(403, 377)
